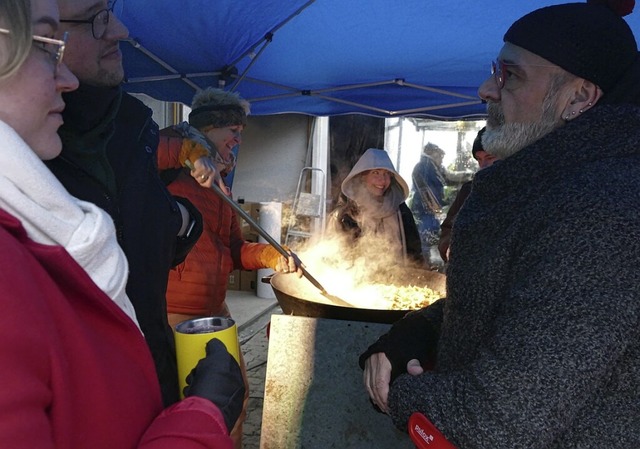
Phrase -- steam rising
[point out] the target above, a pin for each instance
(362, 273)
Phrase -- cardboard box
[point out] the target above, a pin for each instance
(233, 282)
(248, 280)
(253, 210)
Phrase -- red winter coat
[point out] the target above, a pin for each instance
(76, 372)
(198, 286)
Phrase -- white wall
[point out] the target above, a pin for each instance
(273, 151)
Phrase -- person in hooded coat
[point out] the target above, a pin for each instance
(372, 216)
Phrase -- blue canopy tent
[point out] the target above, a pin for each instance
(322, 57)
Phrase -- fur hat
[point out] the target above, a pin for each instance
(217, 108)
(589, 40)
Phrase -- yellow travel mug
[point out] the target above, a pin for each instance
(191, 341)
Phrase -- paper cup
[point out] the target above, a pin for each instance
(191, 341)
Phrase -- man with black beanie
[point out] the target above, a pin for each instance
(537, 343)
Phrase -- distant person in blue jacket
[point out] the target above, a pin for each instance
(427, 196)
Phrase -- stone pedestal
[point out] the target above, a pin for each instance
(314, 396)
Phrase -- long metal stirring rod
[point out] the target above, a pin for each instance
(262, 232)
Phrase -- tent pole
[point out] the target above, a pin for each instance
(266, 40)
(135, 44)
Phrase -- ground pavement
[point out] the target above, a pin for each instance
(252, 315)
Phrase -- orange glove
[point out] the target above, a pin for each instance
(270, 257)
(191, 151)
(263, 255)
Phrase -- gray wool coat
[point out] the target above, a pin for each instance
(539, 345)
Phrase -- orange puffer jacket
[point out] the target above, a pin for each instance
(198, 285)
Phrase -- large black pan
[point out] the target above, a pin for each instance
(297, 296)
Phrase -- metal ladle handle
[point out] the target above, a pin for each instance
(265, 235)
(216, 188)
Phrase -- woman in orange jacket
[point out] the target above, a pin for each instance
(197, 287)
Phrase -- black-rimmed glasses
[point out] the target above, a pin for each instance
(56, 53)
(99, 21)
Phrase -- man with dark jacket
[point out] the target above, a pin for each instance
(484, 159)
(537, 343)
(108, 158)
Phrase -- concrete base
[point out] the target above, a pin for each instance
(314, 395)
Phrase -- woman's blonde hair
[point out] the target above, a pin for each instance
(15, 16)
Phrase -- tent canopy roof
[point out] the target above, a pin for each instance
(322, 57)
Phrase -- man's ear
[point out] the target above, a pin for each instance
(583, 96)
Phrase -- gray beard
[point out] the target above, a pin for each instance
(506, 139)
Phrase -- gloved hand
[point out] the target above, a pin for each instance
(413, 337)
(270, 257)
(191, 151)
(218, 378)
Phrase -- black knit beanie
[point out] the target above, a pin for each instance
(588, 40)
(477, 142)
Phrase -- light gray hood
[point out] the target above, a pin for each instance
(375, 159)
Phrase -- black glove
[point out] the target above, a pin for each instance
(413, 337)
(218, 378)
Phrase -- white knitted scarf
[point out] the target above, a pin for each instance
(51, 216)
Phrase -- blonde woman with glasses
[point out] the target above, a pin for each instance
(75, 367)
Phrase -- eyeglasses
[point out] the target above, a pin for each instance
(99, 21)
(498, 70)
(54, 47)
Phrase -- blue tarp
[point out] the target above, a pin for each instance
(322, 57)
